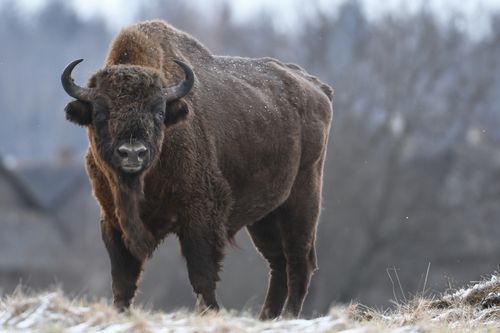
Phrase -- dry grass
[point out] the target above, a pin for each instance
(460, 311)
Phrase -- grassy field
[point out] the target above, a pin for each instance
(475, 308)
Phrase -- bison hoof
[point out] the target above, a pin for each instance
(290, 314)
(268, 314)
(121, 306)
(210, 310)
(204, 309)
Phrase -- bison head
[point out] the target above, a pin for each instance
(125, 108)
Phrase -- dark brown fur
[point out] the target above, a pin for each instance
(245, 148)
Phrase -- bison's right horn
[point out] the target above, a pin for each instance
(72, 89)
(183, 88)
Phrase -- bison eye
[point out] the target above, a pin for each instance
(100, 116)
(160, 115)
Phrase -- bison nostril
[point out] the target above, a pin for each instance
(142, 153)
(122, 152)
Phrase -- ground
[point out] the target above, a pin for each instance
(475, 308)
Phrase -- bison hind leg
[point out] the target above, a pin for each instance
(266, 236)
(298, 222)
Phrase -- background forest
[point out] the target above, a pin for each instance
(412, 178)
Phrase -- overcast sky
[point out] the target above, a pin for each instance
(474, 13)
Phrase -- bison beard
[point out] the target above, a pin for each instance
(241, 145)
(137, 239)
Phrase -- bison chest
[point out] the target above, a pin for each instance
(160, 216)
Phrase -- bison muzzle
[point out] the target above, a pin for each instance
(182, 141)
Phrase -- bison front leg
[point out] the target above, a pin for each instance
(136, 237)
(125, 268)
(203, 250)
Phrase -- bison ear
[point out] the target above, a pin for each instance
(79, 112)
(175, 112)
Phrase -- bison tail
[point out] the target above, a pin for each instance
(230, 238)
(327, 90)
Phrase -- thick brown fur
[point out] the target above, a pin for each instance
(245, 148)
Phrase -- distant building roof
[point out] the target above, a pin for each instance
(28, 198)
(52, 184)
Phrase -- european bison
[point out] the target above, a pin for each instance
(237, 143)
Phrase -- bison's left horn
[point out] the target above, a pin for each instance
(183, 88)
(72, 89)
